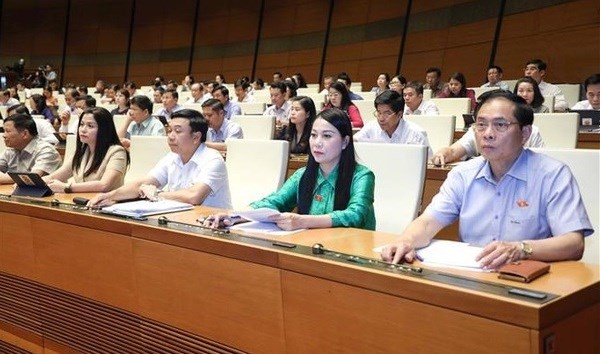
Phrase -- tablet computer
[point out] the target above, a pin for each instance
(30, 185)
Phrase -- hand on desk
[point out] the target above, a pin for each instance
(290, 221)
(101, 200)
(219, 221)
(399, 252)
(57, 186)
(499, 253)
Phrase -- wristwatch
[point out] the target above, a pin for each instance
(526, 250)
(68, 188)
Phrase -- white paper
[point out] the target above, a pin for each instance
(447, 254)
(260, 214)
(140, 208)
(267, 228)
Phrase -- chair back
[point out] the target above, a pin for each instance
(549, 102)
(119, 120)
(366, 109)
(256, 127)
(584, 165)
(480, 90)
(455, 107)
(70, 146)
(144, 153)
(571, 92)
(252, 107)
(108, 106)
(195, 106)
(2, 145)
(440, 129)
(559, 130)
(398, 186)
(255, 168)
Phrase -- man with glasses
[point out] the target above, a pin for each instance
(517, 203)
(389, 126)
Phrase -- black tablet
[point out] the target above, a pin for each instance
(30, 185)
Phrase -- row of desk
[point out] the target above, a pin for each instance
(74, 280)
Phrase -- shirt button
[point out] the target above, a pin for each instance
(496, 217)
(498, 194)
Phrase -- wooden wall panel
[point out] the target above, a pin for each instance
(565, 36)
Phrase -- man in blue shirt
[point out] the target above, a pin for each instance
(230, 109)
(517, 203)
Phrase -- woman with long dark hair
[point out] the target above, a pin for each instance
(339, 97)
(333, 190)
(37, 103)
(100, 161)
(302, 116)
(529, 90)
(457, 87)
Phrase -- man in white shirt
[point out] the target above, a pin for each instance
(414, 103)
(494, 76)
(219, 128)
(140, 121)
(591, 85)
(44, 127)
(6, 100)
(536, 69)
(68, 117)
(327, 81)
(170, 106)
(191, 173)
(241, 91)
(279, 108)
(196, 94)
(389, 126)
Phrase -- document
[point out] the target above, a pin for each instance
(260, 214)
(443, 253)
(143, 208)
(266, 228)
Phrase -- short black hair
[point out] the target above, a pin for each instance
(434, 69)
(522, 111)
(214, 104)
(539, 63)
(197, 121)
(279, 85)
(392, 98)
(143, 102)
(23, 122)
(90, 101)
(498, 69)
(592, 80)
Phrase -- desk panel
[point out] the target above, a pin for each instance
(95, 281)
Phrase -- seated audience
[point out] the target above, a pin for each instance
(527, 88)
(457, 88)
(100, 88)
(494, 76)
(333, 190)
(219, 128)
(291, 89)
(502, 199)
(100, 161)
(6, 100)
(339, 97)
(196, 94)
(258, 84)
(302, 115)
(140, 121)
(591, 86)
(414, 102)
(299, 80)
(536, 69)
(170, 105)
(345, 79)
(277, 76)
(109, 94)
(122, 101)
(383, 80)
(241, 91)
(45, 129)
(51, 100)
(389, 126)
(25, 151)
(279, 107)
(131, 87)
(157, 94)
(327, 81)
(38, 106)
(68, 125)
(191, 173)
(230, 109)
(398, 83)
(433, 82)
(187, 82)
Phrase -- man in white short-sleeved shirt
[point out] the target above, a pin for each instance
(591, 86)
(414, 102)
(191, 173)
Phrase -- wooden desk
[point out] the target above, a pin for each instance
(585, 140)
(76, 280)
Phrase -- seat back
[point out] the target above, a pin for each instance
(108, 106)
(455, 107)
(398, 186)
(549, 102)
(255, 168)
(480, 90)
(584, 165)
(511, 84)
(440, 129)
(2, 144)
(195, 106)
(144, 153)
(252, 107)
(119, 120)
(571, 92)
(70, 146)
(256, 127)
(366, 109)
(367, 95)
(559, 130)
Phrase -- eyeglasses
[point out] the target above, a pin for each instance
(500, 125)
(385, 114)
(333, 94)
(394, 82)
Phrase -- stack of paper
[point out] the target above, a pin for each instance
(143, 208)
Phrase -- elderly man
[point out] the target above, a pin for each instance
(196, 94)
(230, 109)
(219, 128)
(191, 173)
(503, 199)
(25, 151)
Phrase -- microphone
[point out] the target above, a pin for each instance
(80, 201)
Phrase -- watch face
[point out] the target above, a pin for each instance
(527, 248)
